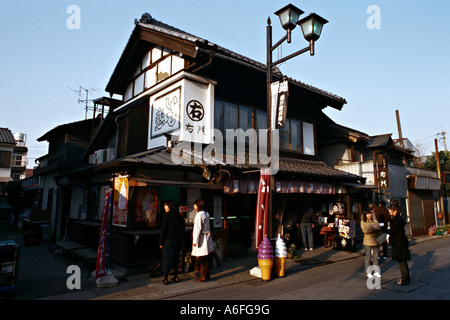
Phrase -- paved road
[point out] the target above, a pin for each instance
(322, 274)
(430, 280)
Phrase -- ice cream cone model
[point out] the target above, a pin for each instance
(280, 257)
(265, 258)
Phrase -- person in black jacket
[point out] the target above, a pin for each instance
(399, 243)
(170, 240)
(306, 224)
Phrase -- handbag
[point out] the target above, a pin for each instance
(382, 238)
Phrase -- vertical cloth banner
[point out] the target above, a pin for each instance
(262, 207)
(102, 252)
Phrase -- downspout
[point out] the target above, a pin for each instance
(117, 124)
(211, 57)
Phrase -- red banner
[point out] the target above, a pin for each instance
(100, 271)
(262, 207)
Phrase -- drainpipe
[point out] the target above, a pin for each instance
(211, 56)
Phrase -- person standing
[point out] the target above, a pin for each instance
(383, 216)
(371, 228)
(202, 244)
(306, 219)
(399, 243)
(170, 240)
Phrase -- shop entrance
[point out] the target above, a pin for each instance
(241, 211)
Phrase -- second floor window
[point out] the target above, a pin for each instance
(296, 135)
(5, 159)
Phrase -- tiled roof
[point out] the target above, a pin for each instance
(153, 24)
(6, 136)
(297, 167)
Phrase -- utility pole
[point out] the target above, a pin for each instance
(400, 136)
(443, 137)
(438, 165)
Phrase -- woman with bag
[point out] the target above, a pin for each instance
(170, 240)
(399, 243)
(371, 229)
(202, 244)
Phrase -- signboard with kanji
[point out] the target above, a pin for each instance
(382, 173)
(184, 108)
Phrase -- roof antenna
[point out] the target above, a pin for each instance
(86, 100)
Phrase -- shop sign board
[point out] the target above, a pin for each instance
(282, 103)
(382, 173)
(184, 109)
(165, 113)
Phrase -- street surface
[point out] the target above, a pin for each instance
(346, 280)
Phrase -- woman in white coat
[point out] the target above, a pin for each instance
(202, 244)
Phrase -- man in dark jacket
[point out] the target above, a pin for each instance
(383, 216)
(399, 243)
(170, 240)
(306, 223)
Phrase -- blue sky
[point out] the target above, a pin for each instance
(403, 65)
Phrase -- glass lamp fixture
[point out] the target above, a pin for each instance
(289, 16)
(312, 26)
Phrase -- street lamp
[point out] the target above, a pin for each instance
(311, 27)
(289, 16)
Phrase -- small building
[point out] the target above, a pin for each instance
(7, 145)
(389, 172)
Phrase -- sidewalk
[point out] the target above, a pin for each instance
(234, 270)
(43, 276)
(237, 270)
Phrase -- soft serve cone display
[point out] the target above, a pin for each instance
(265, 258)
(280, 257)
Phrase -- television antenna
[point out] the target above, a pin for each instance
(84, 99)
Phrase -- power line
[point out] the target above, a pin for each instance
(442, 133)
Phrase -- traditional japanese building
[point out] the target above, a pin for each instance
(159, 144)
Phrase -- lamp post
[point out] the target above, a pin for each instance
(311, 27)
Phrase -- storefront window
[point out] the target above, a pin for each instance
(218, 115)
(308, 138)
(230, 116)
(285, 137)
(245, 123)
(261, 123)
(295, 135)
(146, 200)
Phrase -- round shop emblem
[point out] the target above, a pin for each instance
(195, 110)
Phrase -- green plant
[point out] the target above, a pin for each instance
(441, 229)
(292, 249)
